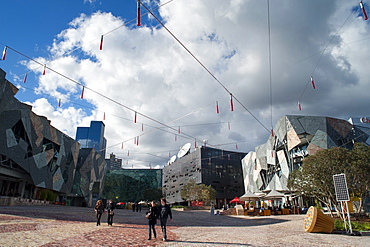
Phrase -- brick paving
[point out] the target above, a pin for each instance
(55, 225)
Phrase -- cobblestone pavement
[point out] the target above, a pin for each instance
(55, 225)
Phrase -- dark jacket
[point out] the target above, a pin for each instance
(99, 208)
(153, 214)
(110, 207)
(164, 212)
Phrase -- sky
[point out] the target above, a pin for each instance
(174, 70)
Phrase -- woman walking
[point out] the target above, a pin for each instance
(110, 209)
(152, 215)
(99, 209)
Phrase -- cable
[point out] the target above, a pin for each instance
(322, 52)
(269, 47)
(204, 67)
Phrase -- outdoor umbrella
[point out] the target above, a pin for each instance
(273, 195)
(249, 196)
(235, 200)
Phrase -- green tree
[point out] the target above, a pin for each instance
(315, 177)
(198, 192)
(207, 193)
(358, 173)
(189, 191)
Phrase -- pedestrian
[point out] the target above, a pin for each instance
(99, 209)
(152, 216)
(164, 212)
(133, 207)
(110, 210)
(212, 210)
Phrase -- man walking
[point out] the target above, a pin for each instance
(164, 212)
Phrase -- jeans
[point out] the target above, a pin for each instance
(150, 228)
(163, 226)
(110, 219)
(98, 217)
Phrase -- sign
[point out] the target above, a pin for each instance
(365, 120)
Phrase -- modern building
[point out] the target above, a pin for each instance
(113, 163)
(296, 137)
(133, 185)
(92, 137)
(36, 157)
(362, 123)
(205, 165)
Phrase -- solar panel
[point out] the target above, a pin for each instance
(341, 189)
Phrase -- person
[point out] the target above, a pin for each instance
(133, 206)
(99, 209)
(110, 210)
(152, 216)
(164, 212)
(212, 210)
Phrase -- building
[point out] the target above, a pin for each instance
(362, 123)
(113, 163)
(205, 165)
(133, 185)
(92, 137)
(269, 166)
(36, 158)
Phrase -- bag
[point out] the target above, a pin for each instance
(99, 211)
(148, 215)
(111, 212)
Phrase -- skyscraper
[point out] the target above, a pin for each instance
(92, 137)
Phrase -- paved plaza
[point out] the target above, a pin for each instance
(56, 225)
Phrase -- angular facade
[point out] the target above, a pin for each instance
(295, 137)
(33, 154)
(210, 166)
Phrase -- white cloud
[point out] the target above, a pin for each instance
(147, 70)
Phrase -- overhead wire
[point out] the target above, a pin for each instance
(205, 68)
(317, 63)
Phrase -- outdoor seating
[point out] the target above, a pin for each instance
(285, 211)
(254, 212)
(265, 212)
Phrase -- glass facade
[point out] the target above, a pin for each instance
(133, 185)
(92, 137)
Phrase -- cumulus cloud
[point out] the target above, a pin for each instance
(146, 70)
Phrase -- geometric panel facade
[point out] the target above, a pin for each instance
(296, 138)
(33, 150)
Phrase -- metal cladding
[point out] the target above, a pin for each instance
(296, 137)
(210, 166)
(30, 145)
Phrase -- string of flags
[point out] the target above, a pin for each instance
(138, 13)
(4, 53)
(25, 78)
(363, 10)
(231, 102)
(101, 42)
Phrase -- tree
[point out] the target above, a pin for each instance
(315, 177)
(189, 191)
(198, 192)
(358, 173)
(206, 193)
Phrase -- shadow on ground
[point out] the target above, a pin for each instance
(123, 216)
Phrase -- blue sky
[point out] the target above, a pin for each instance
(144, 69)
